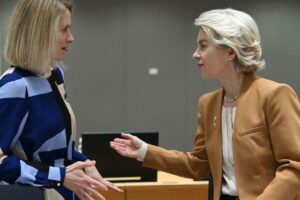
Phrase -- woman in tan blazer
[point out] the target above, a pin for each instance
(248, 134)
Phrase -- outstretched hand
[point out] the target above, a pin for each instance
(127, 146)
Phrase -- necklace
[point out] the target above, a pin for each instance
(230, 99)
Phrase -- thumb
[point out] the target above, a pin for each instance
(81, 165)
(137, 142)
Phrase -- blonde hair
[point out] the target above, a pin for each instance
(32, 33)
(237, 30)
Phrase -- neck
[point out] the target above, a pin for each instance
(232, 87)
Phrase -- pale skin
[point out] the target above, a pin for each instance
(214, 63)
(127, 146)
(65, 37)
(82, 178)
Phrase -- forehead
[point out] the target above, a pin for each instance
(65, 18)
(202, 36)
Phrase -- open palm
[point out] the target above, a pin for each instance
(127, 146)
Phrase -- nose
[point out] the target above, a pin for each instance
(70, 38)
(196, 55)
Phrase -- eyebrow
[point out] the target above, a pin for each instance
(66, 26)
(201, 41)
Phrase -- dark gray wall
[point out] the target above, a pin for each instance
(118, 41)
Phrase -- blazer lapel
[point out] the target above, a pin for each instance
(214, 139)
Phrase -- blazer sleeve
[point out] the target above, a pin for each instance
(13, 115)
(77, 156)
(187, 164)
(283, 118)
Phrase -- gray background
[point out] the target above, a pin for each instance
(118, 41)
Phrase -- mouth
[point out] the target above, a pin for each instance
(65, 49)
(200, 65)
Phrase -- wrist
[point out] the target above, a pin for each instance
(56, 177)
(142, 152)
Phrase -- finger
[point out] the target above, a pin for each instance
(85, 195)
(95, 183)
(116, 144)
(94, 194)
(80, 165)
(122, 141)
(115, 188)
(110, 185)
(120, 149)
(124, 150)
(128, 136)
(81, 196)
(134, 140)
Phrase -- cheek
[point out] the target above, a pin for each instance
(212, 62)
(59, 41)
(207, 57)
(214, 57)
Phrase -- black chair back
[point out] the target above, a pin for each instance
(17, 192)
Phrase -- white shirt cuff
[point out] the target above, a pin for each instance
(142, 152)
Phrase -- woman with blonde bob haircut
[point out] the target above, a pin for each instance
(38, 126)
(32, 34)
(248, 131)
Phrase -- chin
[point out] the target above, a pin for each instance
(206, 76)
(203, 76)
(59, 58)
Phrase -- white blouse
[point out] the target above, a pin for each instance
(229, 182)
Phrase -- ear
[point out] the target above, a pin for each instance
(231, 54)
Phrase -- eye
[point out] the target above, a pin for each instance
(66, 29)
(203, 46)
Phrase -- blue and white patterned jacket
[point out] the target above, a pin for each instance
(36, 139)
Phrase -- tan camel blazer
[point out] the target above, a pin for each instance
(266, 143)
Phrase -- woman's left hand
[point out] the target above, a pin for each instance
(94, 174)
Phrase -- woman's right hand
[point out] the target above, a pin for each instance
(127, 146)
(81, 184)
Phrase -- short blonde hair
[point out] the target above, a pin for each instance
(32, 33)
(237, 30)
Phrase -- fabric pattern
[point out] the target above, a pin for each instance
(35, 143)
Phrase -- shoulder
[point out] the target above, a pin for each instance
(13, 74)
(267, 94)
(269, 88)
(12, 83)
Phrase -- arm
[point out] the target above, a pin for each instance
(283, 117)
(14, 114)
(14, 165)
(192, 164)
(188, 164)
(76, 155)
